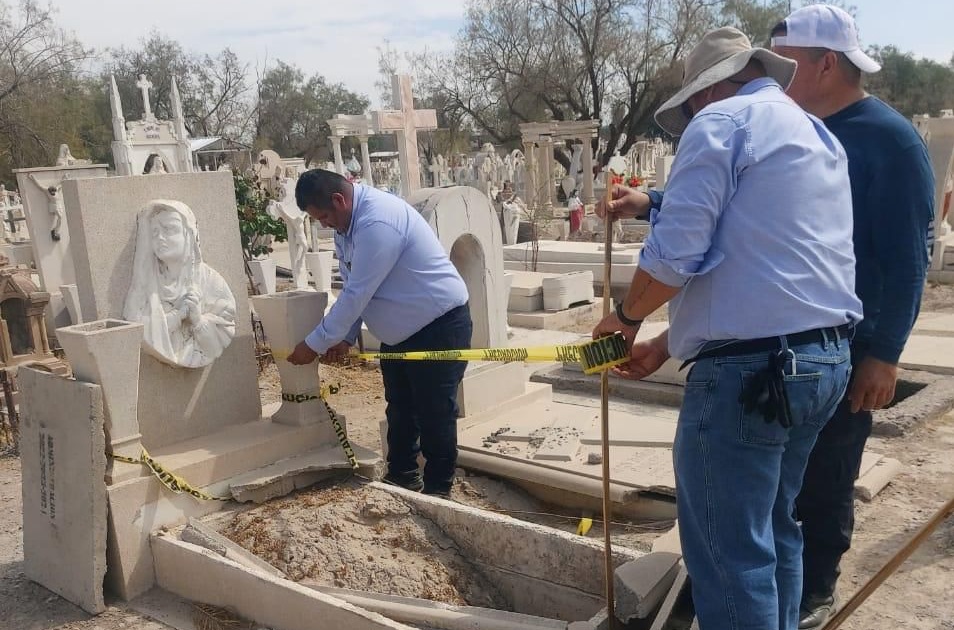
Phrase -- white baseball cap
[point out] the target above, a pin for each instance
(826, 26)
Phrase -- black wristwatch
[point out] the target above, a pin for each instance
(626, 321)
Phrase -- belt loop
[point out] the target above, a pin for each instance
(826, 337)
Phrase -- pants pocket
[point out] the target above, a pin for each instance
(803, 392)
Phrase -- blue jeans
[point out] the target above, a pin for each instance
(422, 401)
(737, 477)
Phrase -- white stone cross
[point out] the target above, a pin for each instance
(405, 123)
(145, 85)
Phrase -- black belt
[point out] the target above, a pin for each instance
(764, 392)
(768, 344)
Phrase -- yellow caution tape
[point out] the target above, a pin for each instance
(595, 356)
(336, 423)
(170, 480)
(584, 527)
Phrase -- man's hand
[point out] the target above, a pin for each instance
(302, 355)
(627, 203)
(611, 324)
(645, 358)
(872, 386)
(337, 353)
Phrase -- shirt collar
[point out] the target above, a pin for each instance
(358, 192)
(755, 85)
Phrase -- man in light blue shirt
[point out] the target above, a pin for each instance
(752, 243)
(401, 283)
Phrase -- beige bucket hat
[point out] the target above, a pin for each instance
(721, 54)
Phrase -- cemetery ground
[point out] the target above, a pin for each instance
(916, 597)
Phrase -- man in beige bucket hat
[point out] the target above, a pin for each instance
(752, 244)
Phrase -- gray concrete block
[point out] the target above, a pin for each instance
(202, 535)
(641, 584)
(665, 610)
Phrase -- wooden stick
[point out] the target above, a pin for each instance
(890, 567)
(604, 413)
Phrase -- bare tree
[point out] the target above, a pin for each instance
(38, 61)
(528, 60)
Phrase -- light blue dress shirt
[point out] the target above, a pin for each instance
(755, 224)
(397, 277)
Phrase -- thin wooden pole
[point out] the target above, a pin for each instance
(890, 567)
(604, 413)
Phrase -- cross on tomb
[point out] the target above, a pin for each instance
(144, 86)
(405, 123)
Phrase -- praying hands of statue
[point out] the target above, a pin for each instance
(189, 306)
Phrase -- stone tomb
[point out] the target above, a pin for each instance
(204, 423)
(47, 213)
(551, 300)
(563, 257)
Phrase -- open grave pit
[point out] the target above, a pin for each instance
(361, 538)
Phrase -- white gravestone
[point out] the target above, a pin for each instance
(186, 307)
(46, 217)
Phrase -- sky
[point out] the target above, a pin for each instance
(339, 39)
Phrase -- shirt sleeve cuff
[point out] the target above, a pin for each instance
(317, 342)
(885, 352)
(661, 272)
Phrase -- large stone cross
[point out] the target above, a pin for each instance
(144, 86)
(405, 122)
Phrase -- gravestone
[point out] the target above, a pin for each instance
(62, 453)
(47, 214)
(405, 121)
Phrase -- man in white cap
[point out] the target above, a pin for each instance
(752, 244)
(892, 188)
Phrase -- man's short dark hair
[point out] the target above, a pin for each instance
(316, 186)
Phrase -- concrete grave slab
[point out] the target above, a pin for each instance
(63, 455)
(935, 324)
(561, 292)
(555, 320)
(202, 575)
(641, 585)
(929, 353)
(568, 252)
(680, 583)
(669, 541)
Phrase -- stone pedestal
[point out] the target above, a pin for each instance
(319, 265)
(263, 275)
(287, 318)
(106, 352)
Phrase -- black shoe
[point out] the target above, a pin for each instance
(410, 481)
(443, 494)
(814, 612)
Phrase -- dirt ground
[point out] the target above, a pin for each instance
(917, 597)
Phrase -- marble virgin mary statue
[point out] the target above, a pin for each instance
(186, 307)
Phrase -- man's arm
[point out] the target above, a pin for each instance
(679, 245)
(902, 209)
(352, 337)
(376, 250)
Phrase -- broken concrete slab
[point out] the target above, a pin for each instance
(202, 535)
(204, 576)
(669, 542)
(680, 583)
(874, 481)
(923, 397)
(63, 455)
(285, 476)
(642, 584)
(556, 320)
(527, 561)
(438, 615)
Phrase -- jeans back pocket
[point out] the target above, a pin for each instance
(803, 391)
